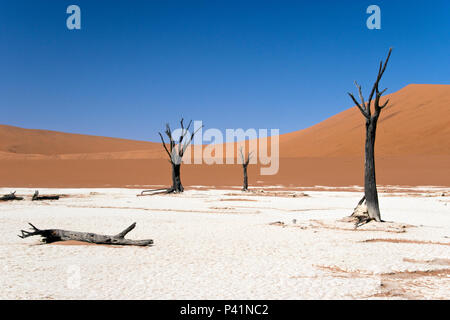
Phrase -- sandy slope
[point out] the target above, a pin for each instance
(416, 122)
(412, 148)
(220, 244)
(49, 143)
(414, 171)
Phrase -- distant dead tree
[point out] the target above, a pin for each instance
(175, 151)
(245, 163)
(370, 185)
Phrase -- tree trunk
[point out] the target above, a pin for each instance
(370, 184)
(53, 235)
(176, 178)
(245, 185)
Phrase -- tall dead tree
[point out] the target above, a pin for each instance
(175, 151)
(370, 185)
(245, 163)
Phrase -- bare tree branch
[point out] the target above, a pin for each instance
(249, 156)
(187, 143)
(385, 64)
(358, 105)
(385, 104)
(242, 155)
(363, 103)
(164, 144)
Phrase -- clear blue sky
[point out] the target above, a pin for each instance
(233, 64)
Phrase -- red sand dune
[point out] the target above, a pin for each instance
(416, 122)
(412, 148)
(21, 143)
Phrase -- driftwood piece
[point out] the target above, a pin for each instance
(152, 192)
(53, 235)
(11, 196)
(37, 197)
(360, 215)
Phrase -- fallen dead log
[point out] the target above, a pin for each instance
(11, 196)
(37, 197)
(53, 235)
(153, 192)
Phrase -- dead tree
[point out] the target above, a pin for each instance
(370, 185)
(37, 197)
(11, 196)
(245, 163)
(175, 151)
(53, 235)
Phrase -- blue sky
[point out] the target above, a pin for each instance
(135, 65)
